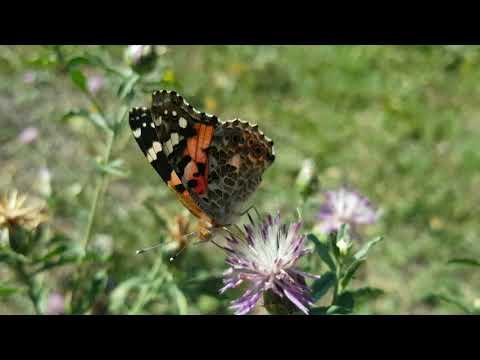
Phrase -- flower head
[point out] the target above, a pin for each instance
(266, 257)
(29, 77)
(28, 135)
(141, 58)
(13, 212)
(344, 206)
(95, 83)
(55, 304)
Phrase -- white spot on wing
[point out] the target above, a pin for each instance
(174, 113)
(152, 154)
(157, 147)
(174, 138)
(166, 112)
(144, 124)
(168, 147)
(182, 123)
(137, 132)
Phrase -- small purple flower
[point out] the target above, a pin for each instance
(95, 83)
(266, 256)
(344, 206)
(28, 135)
(29, 77)
(55, 304)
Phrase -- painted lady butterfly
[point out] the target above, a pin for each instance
(212, 166)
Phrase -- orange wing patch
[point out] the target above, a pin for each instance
(183, 195)
(196, 171)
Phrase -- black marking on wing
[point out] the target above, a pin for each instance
(137, 118)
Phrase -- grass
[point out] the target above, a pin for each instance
(398, 123)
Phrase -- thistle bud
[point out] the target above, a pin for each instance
(142, 58)
(307, 181)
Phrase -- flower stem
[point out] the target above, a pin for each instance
(99, 190)
(31, 285)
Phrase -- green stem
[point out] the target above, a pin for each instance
(31, 285)
(99, 190)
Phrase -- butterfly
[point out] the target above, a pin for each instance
(212, 166)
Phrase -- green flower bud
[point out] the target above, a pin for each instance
(307, 181)
(20, 239)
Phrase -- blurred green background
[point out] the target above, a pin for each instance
(399, 123)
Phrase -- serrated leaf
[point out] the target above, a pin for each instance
(323, 251)
(322, 285)
(465, 261)
(362, 253)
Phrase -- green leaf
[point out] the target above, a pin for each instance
(362, 253)
(366, 294)
(338, 310)
(323, 251)
(465, 261)
(60, 249)
(450, 300)
(94, 117)
(320, 310)
(127, 86)
(99, 121)
(180, 300)
(75, 113)
(8, 291)
(89, 293)
(346, 301)
(76, 61)
(351, 270)
(112, 168)
(322, 285)
(79, 79)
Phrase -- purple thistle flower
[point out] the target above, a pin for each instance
(55, 304)
(95, 83)
(28, 135)
(344, 206)
(266, 256)
(29, 77)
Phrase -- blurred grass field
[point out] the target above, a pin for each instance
(399, 123)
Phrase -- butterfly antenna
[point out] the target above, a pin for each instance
(141, 251)
(183, 247)
(178, 252)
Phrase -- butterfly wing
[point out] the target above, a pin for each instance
(185, 134)
(147, 137)
(214, 167)
(237, 158)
